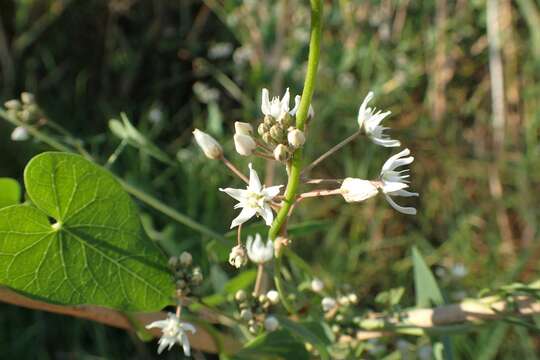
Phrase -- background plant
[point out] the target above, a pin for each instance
(478, 205)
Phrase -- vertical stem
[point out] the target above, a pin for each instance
(296, 163)
(258, 281)
(301, 115)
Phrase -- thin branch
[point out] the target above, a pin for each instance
(235, 170)
(335, 148)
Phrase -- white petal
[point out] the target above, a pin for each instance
(355, 190)
(404, 193)
(362, 111)
(157, 324)
(294, 110)
(188, 327)
(272, 191)
(386, 142)
(391, 186)
(254, 182)
(245, 215)
(185, 344)
(267, 214)
(265, 104)
(389, 164)
(401, 209)
(285, 101)
(375, 120)
(237, 194)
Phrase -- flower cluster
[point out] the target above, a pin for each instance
(255, 310)
(25, 110)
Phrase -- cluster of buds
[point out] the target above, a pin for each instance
(255, 310)
(25, 110)
(187, 277)
(339, 312)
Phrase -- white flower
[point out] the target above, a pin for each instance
(355, 190)
(244, 144)
(173, 331)
(257, 251)
(317, 285)
(273, 296)
(276, 107)
(394, 182)
(208, 144)
(328, 303)
(20, 133)
(297, 99)
(237, 257)
(370, 119)
(254, 200)
(271, 323)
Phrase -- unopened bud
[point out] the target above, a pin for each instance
(317, 285)
(262, 129)
(181, 284)
(281, 153)
(328, 303)
(271, 323)
(273, 296)
(353, 298)
(208, 145)
(173, 262)
(267, 138)
(243, 128)
(344, 300)
(20, 133)
(27, 98)
(240, 295)
(197, 276)
(246, 315)
(296, 137)
(285, 120)
(185, 259)
(262, 298)
(269, 121)
(277, 133)
(12, 104)
(244, 144)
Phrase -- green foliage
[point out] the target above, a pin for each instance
(82, 243)
(279, 344)
(10, 192)
(428, 293)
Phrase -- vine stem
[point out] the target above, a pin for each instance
(296, 163)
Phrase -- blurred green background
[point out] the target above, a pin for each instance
(467, 108)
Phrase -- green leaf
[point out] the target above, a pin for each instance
(427, 290)
(306, 334)
(10, 192)
(278, 344)
(82, 243)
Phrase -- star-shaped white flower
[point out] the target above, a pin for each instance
(391, 183)
(173, 331)
(255, 200)
(258, 251)
(371, 119)
(275, 107)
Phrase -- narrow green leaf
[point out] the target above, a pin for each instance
(10, 192)
(83, 242)
(303, 332)
(427, 290)
(279, 344)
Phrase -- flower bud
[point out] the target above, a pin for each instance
(273, 296)
(277, 133)
(244, 144)
(173, 262)
(269, 120)
(197, 276)
(317, 285)
(12, 104)
(243, 128)
(240, 295)
(281, 153)
(20, 133)
(262, 129)
(27, 98)
(246, 315)
(267, 138)
(296, 137)
(238, 257)
(262, 298)
(271, 323)
(353, 298)
(328, 303)
(344, 301)
(208, 145)
(285, 120)
(185, 259)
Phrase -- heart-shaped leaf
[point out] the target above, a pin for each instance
(82, 243)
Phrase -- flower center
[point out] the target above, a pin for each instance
(254, 200)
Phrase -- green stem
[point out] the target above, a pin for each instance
(301, 116)
(139, 194)
(296, 163)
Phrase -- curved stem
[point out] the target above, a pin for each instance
(296, 163)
